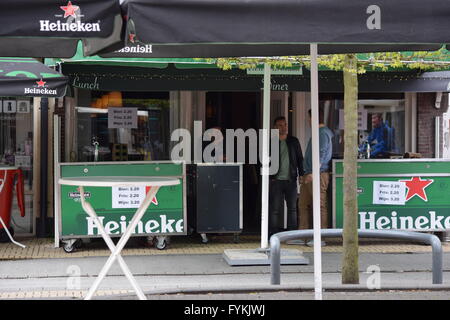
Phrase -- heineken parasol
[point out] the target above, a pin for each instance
(29, 78)
(52, 28)
(215, 28)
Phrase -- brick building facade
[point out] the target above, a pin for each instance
(426, 114)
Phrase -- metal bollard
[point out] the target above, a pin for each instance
(429, 239)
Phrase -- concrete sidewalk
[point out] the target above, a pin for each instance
(196, 273)
(44, 248)
(189, 266)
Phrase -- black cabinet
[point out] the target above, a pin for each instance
(215, 198)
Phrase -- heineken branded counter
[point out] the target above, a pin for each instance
(398, 194)
(115, 206)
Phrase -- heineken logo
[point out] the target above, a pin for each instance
(70, 10)
(76, 195)
(162, 224)
(73, 23)
(134, 46)
(416, 187)
(431, 221)
(41, 89)
(136, 49)
(41, 83)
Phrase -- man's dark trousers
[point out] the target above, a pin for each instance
(281, 190)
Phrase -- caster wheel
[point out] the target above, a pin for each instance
(161, 244)
(68, 248)
(204, 238)
(71, 245)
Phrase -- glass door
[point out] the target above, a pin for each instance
(16, 153)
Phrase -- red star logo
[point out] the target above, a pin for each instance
(41, 83)
(154, 200)
(131, 37)
(69, 10)
(416, 186)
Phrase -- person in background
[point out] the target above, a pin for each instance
(283, 185)
(213, 143)
(306, 194)
(379, 139)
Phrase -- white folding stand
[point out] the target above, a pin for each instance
(154, 182)
(10, 236)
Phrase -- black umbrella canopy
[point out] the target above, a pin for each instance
(249, 26)
(52, 28)
(29, 78)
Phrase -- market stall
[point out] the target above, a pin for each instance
(115, 206)
(397, 194)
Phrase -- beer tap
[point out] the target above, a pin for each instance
(95, 144)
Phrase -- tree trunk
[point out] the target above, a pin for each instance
(350, 268)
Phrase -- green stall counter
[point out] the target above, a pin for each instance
(166, 215)
(397, 194)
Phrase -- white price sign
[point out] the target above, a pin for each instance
(127, 197)
(389, 192)
(122, 118)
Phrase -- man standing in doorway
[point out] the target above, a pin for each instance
(283, 185)
(306, 195)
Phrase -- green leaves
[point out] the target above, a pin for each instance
(379, 61)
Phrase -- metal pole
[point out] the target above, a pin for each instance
(265, 160)
(316, 172)
(42, 229)
(430, 239)
(56, 174)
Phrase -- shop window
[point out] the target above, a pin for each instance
(16, 152)
(146, 140)
(390, 111)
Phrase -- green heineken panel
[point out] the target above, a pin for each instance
(397, 194)
(115, 206)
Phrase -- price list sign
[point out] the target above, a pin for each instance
(122, 118)
(127, 197)
(389, 192)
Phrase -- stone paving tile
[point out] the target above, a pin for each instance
(44, 248)
(59, 294)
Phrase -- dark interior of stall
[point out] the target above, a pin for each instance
(240, 110)
(149, 141)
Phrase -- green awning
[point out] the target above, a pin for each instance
(159, 63)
